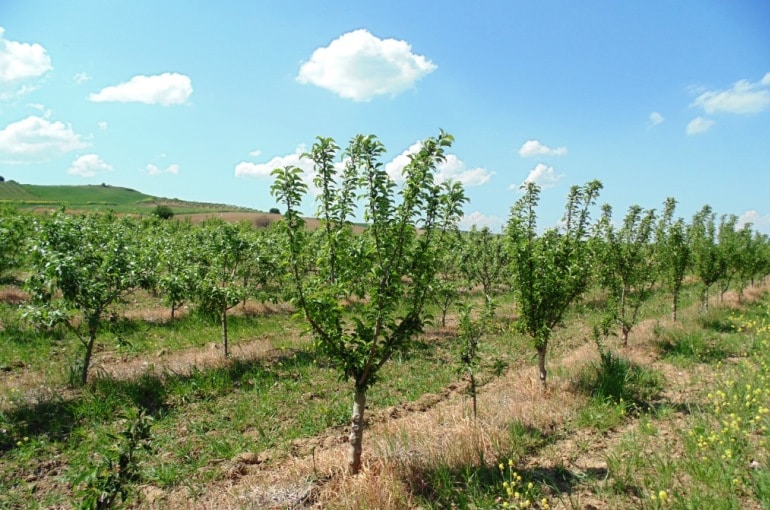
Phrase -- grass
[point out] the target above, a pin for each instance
(282, 401)
(99, 198)
(202, 418)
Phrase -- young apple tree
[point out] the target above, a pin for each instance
(395, 258)
(709, 263)
(79, 267)
(674, 252)
(628, 266)
(550, 270)
(219, 254)
(485, 260)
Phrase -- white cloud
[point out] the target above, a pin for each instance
(164, 89)
(535, 148)
(451, 168)
(20, 61)
(542, 175)
(480, 220)
(760, 223)
(37, 139)
(699, 125)
(47, 112)
(102, 125)
(656, 118)
(80, 78)
(88, 165)
(249, 169)
(172, 169)
(360, 66)
(256, 153)
(743, 98)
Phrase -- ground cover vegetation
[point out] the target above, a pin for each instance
(149, 361)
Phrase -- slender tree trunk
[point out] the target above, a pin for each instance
(541, 352)
(87, 357)
(676, 304)
(473, 394)
(356, 431)
(624, 331)
(224, 333)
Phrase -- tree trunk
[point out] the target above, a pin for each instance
(87, 357)
(473, 394)
(224, 333)
(624, 331)
(541, 352)
(356, 431)
(676, 304)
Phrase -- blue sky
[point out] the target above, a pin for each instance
(200, 100)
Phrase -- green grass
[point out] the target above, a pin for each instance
(98, 198)
(204, 417)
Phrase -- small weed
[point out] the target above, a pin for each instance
(616, 380)
(107, 483)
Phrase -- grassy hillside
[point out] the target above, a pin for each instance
(97, 197)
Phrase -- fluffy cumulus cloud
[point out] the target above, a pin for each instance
(19, 61)
(759, 222)
(172, 169)
(89, 165)
(165, 89)
(532, 148)
(744, 98)
(452, 168)
(249, 169)
(360, 66)
(20, 64)
(37, 139)
(542, 175)
(480, 220)
(656, 118)
(699, 125)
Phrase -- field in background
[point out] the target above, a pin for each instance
(101, 198)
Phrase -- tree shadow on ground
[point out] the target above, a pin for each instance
(104, 398)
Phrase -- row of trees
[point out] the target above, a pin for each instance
(364, 291)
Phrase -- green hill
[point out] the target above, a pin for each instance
(97, 197)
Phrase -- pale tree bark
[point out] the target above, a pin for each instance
(542, 372)
(224, 333)
(356, 431)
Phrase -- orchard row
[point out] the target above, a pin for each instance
(364, 290)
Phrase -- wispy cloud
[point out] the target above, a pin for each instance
(172, 169)
(532, 148)
(359, 66)
(699, 125)
(655, 119)
(165, 89)
(89, 165)
(81, 78)
(744, 97)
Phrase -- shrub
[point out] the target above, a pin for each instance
(275, 210)
(163, 212)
